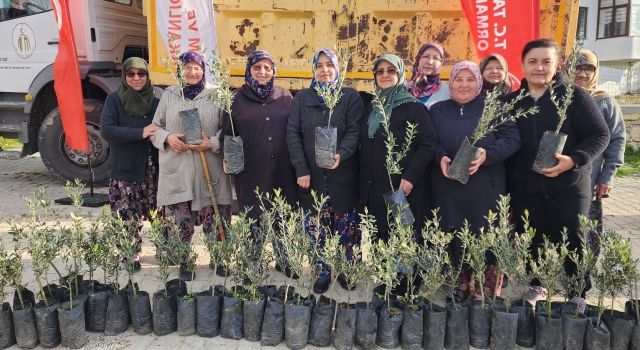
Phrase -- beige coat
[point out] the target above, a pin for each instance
(181, 177)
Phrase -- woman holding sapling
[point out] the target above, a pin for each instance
(425, 83)
(401, 111)
(126, 124)
(182, 189)
(259, 116)
(556, 197)
(606, 163)
(327, 104)
(469, 115)
(495, 74)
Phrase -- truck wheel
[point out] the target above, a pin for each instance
(67, 163)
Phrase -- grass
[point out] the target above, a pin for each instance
(9, 144)
(631, 165)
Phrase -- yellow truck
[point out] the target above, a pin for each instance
(291, 30)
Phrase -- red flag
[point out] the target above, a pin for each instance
(503, 27)
(66, 81)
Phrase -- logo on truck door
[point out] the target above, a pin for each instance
(24, 41)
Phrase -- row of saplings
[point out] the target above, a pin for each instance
(254, 310)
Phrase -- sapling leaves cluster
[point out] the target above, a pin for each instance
(223, 95)
(432, 257)
(331, 93)
(563, 102)
(476, 247)
(549, 266)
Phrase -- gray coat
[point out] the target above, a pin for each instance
(607, 163)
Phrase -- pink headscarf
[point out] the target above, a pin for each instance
(420, 85)
(471, 66)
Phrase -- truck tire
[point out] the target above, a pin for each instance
(67, 163)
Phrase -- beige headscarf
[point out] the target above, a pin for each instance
(589, 58)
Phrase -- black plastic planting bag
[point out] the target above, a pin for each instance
(630, 308)
(573, 331)
(47, 324)
(596, 337)
(272, 332)
(399, 206)
(412, 327)
(7, 336)
(232, 323)
(550, 144)
(345, 332)
(479, 324)
(140, 310)
(635, 339)
(366, 326)
(234, 154)
(72, 324)
(191, 126)
(24, 321)
(208, 312)
(457, 334)
(435, 326)
(252, 318)
(389, 323)
(548, 333)
(504, 328)
(118, 316)
(620, 327)
(186, 315)
(459, 168)
(176, 287)
(321, 322)
(164, 313)
(27, 297)
(53, 293)
(326, 143)
(296, 323)
(96, 310)
(526, 324)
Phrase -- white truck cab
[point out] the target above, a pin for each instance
(106, 33)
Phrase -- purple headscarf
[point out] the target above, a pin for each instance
(261, 90)
(420, 85)
(475, 70)
(191, 91)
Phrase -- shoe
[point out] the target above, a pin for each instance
(343, 283)
(322, 284)
(287, 272)
(535, 293)
(136, 266)
(186, 275)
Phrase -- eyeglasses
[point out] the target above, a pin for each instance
(132, 75)
(381, 71)
(586, 70)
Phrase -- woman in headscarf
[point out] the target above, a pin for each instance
(454, 120)
(126, 124)
(401, 108)
(182, 189)
(340, 182)
(606, 163)
(495, 74)
(425, 83)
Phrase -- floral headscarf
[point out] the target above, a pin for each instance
(261, 90)
(191, 91)
(334, 59)
(136, 103)
(475, 70)
(506, 85)
(420, 85)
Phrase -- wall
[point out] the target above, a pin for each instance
(632, 123)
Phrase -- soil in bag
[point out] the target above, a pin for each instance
(7, 335)
(272, 332)
(47, 324)
(526, 324)
(479, 324)
(176, 287)
(24, 322)
(186, 315)
(296, 323)
(321, 322)
(399, 206)
(268, 291)
(72, 324)
(344, 336)
(231, 326)
(457, 333)
(53, 293)
(504, 328)
(233, 154)
(326, 143)
(164, 313)
(191, 126)
(596, 337)
(389, 323)
(412, 327)
(366, 326)
(252, 318)
(573, 331)
(620, 327)
(548, 333)
(27, 297)
(118, 316)
(96, 310)
(635, 338)
(140, 310)
(208, 312)
(550, 144)
(434, 327)
(459, 169)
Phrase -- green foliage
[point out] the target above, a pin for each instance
(631, 166)
(11, 270)
(549, 266)
(175, 68)
(331, 94)
(158, 234)
(476, 247)
(563, 102)
(585, 260)
(223, 94)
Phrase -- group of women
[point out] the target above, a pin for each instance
(278, 134)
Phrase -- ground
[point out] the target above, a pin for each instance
(20, 177)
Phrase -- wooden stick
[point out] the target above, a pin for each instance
(214, 201)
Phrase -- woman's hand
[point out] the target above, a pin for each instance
(476, 163)
(406, 186)
(149, 130)
(304, 181)
(445, 162)
(224, 166)
(335, 165)
(204, 146)
(602, 190)
(175, 143)
(564, 163)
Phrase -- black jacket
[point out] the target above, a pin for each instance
(308, 113)
(129, 151)
(587, 135)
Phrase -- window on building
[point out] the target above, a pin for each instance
(582, 23)
(634, 29)
(613, 18)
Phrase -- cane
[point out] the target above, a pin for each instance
(214, 201)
